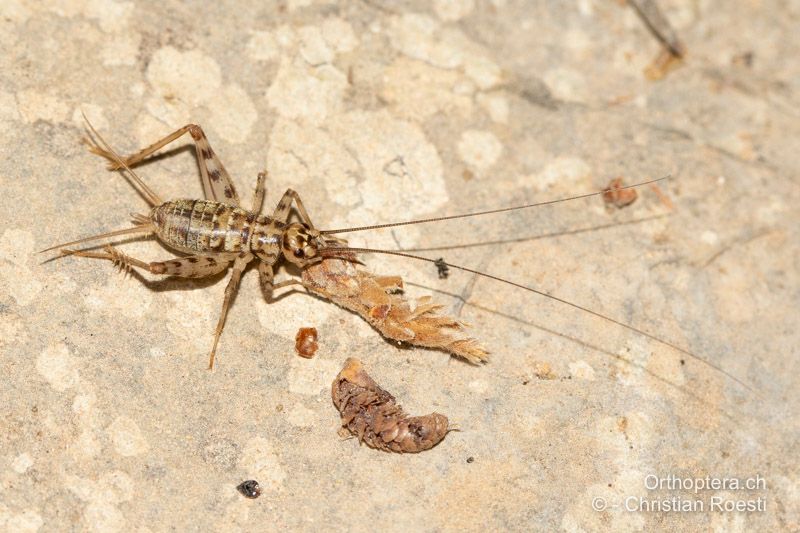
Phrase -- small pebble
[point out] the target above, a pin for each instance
(306, 342)
(249, 489)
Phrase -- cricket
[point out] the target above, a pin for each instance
(217, 233)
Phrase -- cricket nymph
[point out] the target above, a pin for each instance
(209, 227)
(218, 233)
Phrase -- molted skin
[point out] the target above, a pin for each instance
(379, 300)
(371, 414)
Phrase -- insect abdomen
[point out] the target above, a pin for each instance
(202, 226)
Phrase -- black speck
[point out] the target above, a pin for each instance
(470, 459)
(441, 266)
(249, 489)
(683, 362)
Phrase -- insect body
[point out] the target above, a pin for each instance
(216, 234)
(372, 414)
(206, 227)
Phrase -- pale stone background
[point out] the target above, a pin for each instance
(381, 111)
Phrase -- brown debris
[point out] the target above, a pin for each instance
(663, 197)
(744, 59)
(376, 299)
(664, 63)
(371, 414)
(615, 195)
(542, 370)
(305, 342)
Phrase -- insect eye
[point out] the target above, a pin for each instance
(299, 253)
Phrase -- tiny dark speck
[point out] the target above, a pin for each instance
(683, 361)
(470, 459)
(441, 266)
(249, 489)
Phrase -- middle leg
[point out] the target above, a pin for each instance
(239, 265)
(284, 206)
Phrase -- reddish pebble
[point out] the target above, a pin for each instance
(306, 342)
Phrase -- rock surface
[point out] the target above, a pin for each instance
(378, 112)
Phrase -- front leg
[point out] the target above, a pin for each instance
(266, 278)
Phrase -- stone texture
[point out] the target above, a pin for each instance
(377, 112)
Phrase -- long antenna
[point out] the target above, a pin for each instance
(546, 295)
(489, 212)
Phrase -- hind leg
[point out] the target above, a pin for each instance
(217, 184)
(193, 266)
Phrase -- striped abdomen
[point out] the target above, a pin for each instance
(202, 227)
